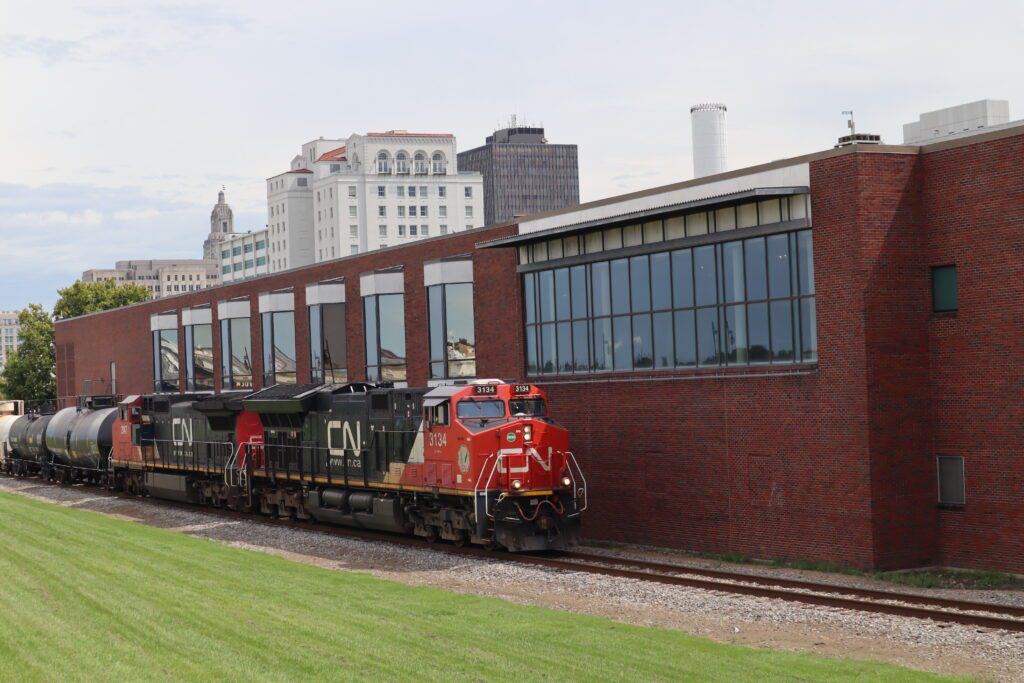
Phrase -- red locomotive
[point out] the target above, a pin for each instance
(481, 463)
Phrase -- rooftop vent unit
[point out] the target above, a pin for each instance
(855, 138)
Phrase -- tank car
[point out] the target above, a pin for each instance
(10, 411)
(79, 440)
(27, 453)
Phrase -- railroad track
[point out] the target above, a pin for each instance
(938, 609)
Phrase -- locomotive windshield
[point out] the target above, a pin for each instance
(472, 410)
(526, 407)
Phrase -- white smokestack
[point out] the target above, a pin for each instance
(709, 152)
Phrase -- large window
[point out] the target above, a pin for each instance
(452, 334)
(745, 302)
(327, 343)
(951, 480)
(199, 357)
(278, 348)
(236, 353)
(165, 360)
(384, 324)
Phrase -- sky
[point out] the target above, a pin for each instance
(120, 121)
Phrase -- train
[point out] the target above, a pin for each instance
(480, 463)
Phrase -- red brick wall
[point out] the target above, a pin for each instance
(974, 211)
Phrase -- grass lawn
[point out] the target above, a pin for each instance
(87, 597)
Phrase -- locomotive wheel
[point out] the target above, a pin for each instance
(431, 536)
(460, 539)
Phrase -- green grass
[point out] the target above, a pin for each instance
(86, 597)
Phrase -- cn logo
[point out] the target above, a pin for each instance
(181, 431)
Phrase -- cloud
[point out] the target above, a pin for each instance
(135, 214)
(49, 51)
(84, 217)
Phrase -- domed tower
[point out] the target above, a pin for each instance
(222, 222)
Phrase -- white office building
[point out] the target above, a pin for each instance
(9, 330)
(244, 255)
(366, 192)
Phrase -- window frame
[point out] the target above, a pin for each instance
(318, 344)
(377, 375)
(945, 268)
(447, 361)
(270, 374)
(191, 383)
(963, 481)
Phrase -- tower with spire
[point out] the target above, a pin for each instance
(222, 223)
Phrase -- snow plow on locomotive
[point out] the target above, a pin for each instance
(480, 463)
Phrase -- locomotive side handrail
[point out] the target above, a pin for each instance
(186, 455)
(577, 492)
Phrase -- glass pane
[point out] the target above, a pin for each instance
(620, 286)
(663, 352)
(580, 346)
(462, 368)
(529, 300)
(736, 335)
(707, 336)
(437, 369)
(268, 347)
(600, 288)
(682, 278)
(284, 347)
(316, 360)
(461, 334)
(435, 318)
(335, 344)
(808, 331)
(370, 330)
(757, 333)
(546, 286)
(640, 283)
(806, 261)
(675, 228)
(169, 367)
(602, 344)
(782, 332)
(643, 347)
(697, 224)
(578, 278)
(225, 353)
(757, 285)
(190, 371)
(548, 349)
(778, 266)
(944, 289)
(661, 279)
(951, 480)
(241, 353)
(565, 358)
(622, 343)
(632, 235)
(562, 294)
(704, 275)
(531, 349)
(392, 336)
(686, 344)
(732, 271)
(202, 355)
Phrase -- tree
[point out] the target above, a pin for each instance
(29, 372)
(89, 297)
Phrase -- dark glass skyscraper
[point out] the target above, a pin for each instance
(523, 174)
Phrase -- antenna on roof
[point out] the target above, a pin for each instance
(849, 123)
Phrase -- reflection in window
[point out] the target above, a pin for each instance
(327, 344)
(235, 353)
(384, 325)
(199, 357)
(165, 360)
(278, 348)
(452, 334)
(744, 302)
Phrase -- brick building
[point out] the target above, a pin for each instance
(816, 358)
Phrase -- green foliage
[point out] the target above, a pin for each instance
(86, 597)
(90, 297)
(29, 371)
(953, 578)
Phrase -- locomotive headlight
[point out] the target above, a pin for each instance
(516, 484)
(528, 432)
(566, 481)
